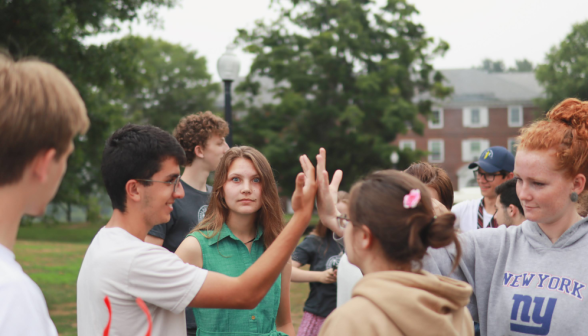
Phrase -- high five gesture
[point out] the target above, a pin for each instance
(303, 197)
(327, 193)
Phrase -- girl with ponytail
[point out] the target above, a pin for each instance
(391, 224)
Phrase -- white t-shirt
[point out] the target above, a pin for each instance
(122, 267)
(347, 276)
(467, 214)
(23, 310)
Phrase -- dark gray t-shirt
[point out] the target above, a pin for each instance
(321, 254)
(187, 212)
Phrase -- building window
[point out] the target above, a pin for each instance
(475, 147)
(436, 151)
(436, 120)
(515, 116)
(512, 145)
(475, 117)
(472, 148)
(407, 143)
(475, 113)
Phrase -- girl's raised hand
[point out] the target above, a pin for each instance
(305, 193)
(327, 193)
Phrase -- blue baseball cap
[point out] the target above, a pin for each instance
(495, 159)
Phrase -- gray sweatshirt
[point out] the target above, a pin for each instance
(523, 284)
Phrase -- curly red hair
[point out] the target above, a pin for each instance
(566, 130)
(195, 130)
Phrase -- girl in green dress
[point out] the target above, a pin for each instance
(243, 218)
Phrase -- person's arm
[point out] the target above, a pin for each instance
(154, 240)
(190, 251)
(284, 319)
(298, 275)
(327, 194)
(247, 290)
(480, 251)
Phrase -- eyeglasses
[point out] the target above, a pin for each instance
(343, 221)
(175, 182)
(487, 176)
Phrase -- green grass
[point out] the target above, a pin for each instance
(52, 257)
(65, 233)
(54, 267)
(84, 232)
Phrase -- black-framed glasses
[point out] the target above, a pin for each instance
(343, 221)
(175, 182)
(486, 176)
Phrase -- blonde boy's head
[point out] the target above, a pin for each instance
(40, 109)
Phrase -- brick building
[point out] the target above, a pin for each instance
(486, 109)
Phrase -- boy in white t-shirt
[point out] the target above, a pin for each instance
(40, 113)
(141, 172)
(494, 167)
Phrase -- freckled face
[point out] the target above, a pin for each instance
(542, 189)
(243, 189)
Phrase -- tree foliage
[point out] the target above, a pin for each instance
(523, 65)
(492, 66)
(129, 80)
(565, 74)
(162, 82)
(347, 73)
(498, 66)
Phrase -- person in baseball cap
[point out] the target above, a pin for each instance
(495, 159)
(494, 167)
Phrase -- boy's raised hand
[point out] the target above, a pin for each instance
(327, 193)
(305, 193)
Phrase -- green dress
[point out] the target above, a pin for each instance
(226, 254)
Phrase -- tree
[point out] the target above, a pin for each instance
(152, 82)
(134, 79)
(523, 65)
(498, 66)
(492, 66)
(164, 82)
(566, 72)
(346, 79)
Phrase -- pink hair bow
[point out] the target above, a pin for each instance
(412, 199)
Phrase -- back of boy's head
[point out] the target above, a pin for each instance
(508, 194)
(135, 152)
(40, 109)
(377, 202)
(195, 130)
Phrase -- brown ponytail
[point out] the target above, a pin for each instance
(405, 234)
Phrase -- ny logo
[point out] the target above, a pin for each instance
(543, 321)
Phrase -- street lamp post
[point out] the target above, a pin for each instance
(228, 66)
(394, 158)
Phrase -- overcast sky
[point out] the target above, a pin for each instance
(475, 29)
